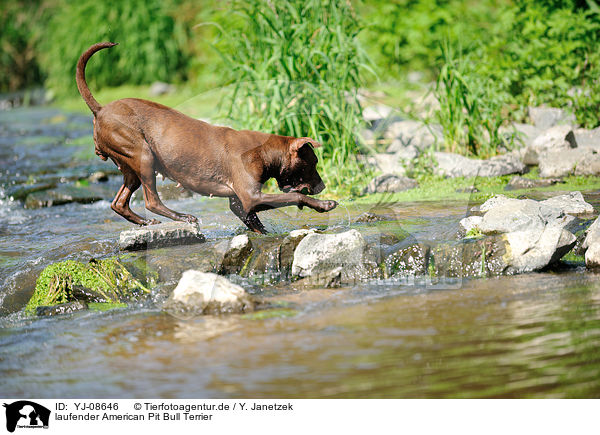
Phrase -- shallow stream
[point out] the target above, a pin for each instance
(533, 335)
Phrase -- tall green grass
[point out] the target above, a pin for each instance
(150, 41)
(470, 110)
(295, 68)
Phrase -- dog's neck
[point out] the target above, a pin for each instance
(275, 157)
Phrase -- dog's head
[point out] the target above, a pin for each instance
(299, 173)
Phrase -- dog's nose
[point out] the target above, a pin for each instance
(319, 188)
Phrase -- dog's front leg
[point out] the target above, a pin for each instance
(249, 219)
(261, 202)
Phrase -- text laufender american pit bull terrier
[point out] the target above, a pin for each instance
(142, 138)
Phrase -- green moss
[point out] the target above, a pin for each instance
(571, 257)
(105, 306)
(109, 278)
(431, 267)
(474, 233)
(436, 188)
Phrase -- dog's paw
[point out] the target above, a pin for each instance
(188, 218)
(327, 206)
(150, 222)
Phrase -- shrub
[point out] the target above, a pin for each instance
(549, 56)
(295, 68)
(21, 23)
(405, 35)
(150, 43)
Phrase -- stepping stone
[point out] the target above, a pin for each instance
(160, 235)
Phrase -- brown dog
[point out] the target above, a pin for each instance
(143, 138)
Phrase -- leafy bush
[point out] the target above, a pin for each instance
(295, 68)
(405, 35)
(150, 43)
(546, 56)
(21, 23)
(549, 56)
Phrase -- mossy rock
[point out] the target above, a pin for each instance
(107, 280)
(470, 258)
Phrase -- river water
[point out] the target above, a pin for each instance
(533, 335)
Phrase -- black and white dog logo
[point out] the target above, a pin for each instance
(26, 414)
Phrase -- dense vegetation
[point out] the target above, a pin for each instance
(295, 67)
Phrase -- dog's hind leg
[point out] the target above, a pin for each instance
(120, 204)
(151, 198)
(250, 219)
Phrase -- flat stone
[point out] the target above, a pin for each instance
(66, 308)
(390, 183)
(69, 193)
(160, 235)
(403, 153)
(546, 117)
(571, 203)
(21, 191)
(518, 182)
(207, 293)
(455, 165)
(368, 217)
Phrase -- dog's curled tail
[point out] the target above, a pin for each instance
(80, 75)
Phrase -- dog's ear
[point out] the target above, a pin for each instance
(297, 144)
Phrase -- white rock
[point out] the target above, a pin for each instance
(535, 232)
(559, 137)
(591, 245)
(239, 242)
(562, 162)
(571, 203)
(301, 232)
(415, 133)
(199, 291)
(492, 202)
(469, 223)
(455, 165)
(319, 253)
